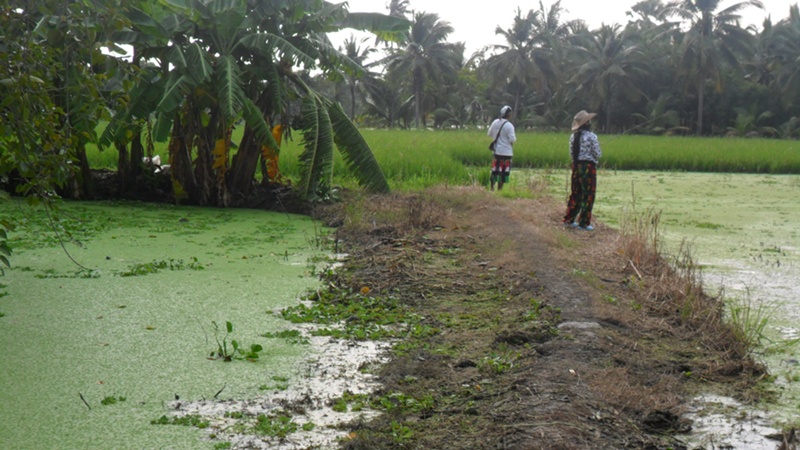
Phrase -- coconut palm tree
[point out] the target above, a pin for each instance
(426, 55)
(713, 41)
(513, 67)
(388, 104)
(611, 65)
(357, 51)
(523, 65)
(786, 51)
(398, 8)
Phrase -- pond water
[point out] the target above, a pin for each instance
(742, 229)
(74, 336)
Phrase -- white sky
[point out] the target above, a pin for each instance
(474, 21)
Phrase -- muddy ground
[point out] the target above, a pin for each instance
(547, 337)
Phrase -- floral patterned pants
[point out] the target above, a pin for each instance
(584, 186)
(501, 168)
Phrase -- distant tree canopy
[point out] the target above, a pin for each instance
(189, 71)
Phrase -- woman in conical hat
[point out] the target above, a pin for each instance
(584, 149)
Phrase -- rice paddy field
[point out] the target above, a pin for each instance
(417, 159)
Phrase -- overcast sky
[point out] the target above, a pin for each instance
(474, 21)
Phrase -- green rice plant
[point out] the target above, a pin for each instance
(414, 159)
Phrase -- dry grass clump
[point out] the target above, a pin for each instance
(674, 289)
(423, 213)
(626, 392)
(390, 215)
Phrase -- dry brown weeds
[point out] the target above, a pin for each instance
(474, 265)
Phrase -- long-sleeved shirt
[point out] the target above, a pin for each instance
(505, 142)
(590, 147)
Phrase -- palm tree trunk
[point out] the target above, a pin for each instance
(700, 106)
(418, 80)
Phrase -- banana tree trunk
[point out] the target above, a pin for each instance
(244, 165)
(184, 184)
(83, 183)
(123, 168)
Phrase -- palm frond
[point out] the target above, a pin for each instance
(316, 161)
(255, 120)
(265, 42)
(387, 28)
(176, 57)
(229, 87)
(197, 58)
(276, 88)
(355, 150)
(163, 126)
(144, 98)
(177, 88)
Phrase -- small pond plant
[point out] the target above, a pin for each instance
(235, 351)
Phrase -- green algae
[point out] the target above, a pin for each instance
(72, 341)
(742, 230)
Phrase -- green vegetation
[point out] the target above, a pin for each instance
(190, 420)
(363, 316)
(418, 159)
(159, 265)
(111, 400)
(281, 384)
(290, 336)
(274, 425)
(228, 354)
(748, 320)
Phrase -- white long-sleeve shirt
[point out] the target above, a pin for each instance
(505, 142)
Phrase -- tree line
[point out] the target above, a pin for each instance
(188, 72)
(678, 67)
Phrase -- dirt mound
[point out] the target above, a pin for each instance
(546, 336)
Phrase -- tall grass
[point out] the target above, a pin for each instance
(673, 284)
(416, 159)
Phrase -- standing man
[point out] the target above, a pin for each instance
(502, 131)
(584, 150)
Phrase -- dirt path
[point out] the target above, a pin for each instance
(546, 337)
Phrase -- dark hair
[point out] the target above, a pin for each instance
(576, 141)
(576, 144)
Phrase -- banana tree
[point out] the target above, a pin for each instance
(236, 60)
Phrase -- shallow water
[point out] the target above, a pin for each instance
(742, 229)
(71, 335)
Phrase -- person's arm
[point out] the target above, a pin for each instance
(511, 135)
(492, 129)
(594, 147)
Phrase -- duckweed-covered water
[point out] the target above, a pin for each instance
(743, 231)
(75, 337)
